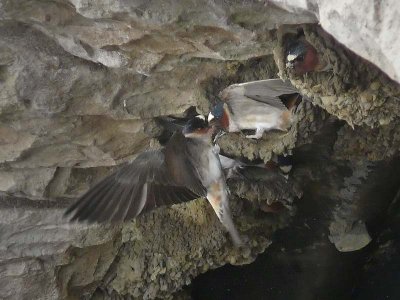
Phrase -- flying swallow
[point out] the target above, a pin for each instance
(258, 105)
(186, 168)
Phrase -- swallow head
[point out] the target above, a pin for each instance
(218, 117)
(285, 163)
(217, 112)
(302, 57)
(197, 127)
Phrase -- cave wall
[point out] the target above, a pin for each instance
(80, 84)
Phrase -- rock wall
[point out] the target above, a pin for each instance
(80, 85)
(368, 28)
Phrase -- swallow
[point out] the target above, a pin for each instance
(172, 123)
(281, 165)
(186, 168)
(283, 162)
(258, 105)
(253, 172)
(302, 57)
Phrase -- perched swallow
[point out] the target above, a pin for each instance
(270, 177)
(285, 163)
(302, 57)
(233, 167)
(258, 105)
(186, 168)
(281, 162)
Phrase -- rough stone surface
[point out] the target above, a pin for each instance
(368, 28)
(80, 84)
(40, 251)
(351, 89)
(190, 241)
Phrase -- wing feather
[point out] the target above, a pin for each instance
(140, 186)
(269, 87)
(182, 167)
(264, 91)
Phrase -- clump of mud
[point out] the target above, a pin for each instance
(351, 88)
(164, 250)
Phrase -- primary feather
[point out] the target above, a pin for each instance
(146, 183)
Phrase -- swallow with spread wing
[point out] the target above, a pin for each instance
(187, 168)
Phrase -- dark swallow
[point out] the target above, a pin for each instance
(259, 105)
(277, 167)
(186, 168)
(282, 162)
(172, 123)
(253, 172)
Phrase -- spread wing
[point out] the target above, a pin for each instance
(264, 91)
(171, 124)
(144, 184)
(181, 163)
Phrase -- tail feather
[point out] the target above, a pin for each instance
(291, 101)
(218, 197)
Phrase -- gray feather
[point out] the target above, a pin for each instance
(132, 190)
(264, 91)
(269, 87)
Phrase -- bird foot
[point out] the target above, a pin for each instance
(257, 134)
(218, 135)
(254, 136)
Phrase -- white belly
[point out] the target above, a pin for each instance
(267, 119)
(214, 167)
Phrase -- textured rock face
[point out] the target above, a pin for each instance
(80, 84)
(369, 28)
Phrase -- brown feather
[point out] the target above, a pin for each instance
(119, 196)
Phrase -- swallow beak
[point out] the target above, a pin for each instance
(210, 117)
